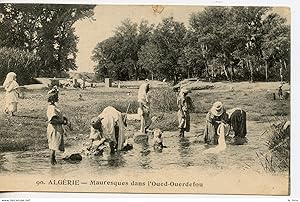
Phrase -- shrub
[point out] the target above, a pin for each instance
(278, 156)
(165, 121)
(23, 63)
(163, 99)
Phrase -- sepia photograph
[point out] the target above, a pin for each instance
(161, 99)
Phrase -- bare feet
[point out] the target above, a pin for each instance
(53, 161)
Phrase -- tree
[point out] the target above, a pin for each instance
(212, 40)
(237, 43)
(249, 30)
(167, 42)
(117, 56)
(276, 47)
(232, 43)
(46, 30)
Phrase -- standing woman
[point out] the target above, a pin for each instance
(55, 130)
(185, 104)
(214, 117)
(144, 106)
(11, 97)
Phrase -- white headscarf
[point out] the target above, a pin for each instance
(10, 77)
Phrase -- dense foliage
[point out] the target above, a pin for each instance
(18, 61)
(220, 43)
(44, 30)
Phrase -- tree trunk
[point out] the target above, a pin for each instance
(213, 73)
(266, 68)
(251, 70)
(232, 72)
(8, 64)
(225, 71)
(136, 72)
(207, 74)
(280, 70)
(284, 63)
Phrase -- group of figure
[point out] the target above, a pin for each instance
(110, 124)
(234, 118)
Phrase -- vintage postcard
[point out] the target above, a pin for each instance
(188, 99)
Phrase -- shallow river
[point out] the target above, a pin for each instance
(179, 154)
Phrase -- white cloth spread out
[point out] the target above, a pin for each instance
(221, 141)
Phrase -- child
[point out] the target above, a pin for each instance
(158, 139)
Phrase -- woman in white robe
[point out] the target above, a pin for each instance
(11, 96)
(109, 127)
(55, 130)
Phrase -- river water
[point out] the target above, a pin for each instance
(179, 154)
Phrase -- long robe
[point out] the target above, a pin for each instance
(112, 128)
(144, 107)
(11, 96)
(184, 104)
(212, 123)
(55, 133)
(237, 120)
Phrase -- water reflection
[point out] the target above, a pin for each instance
(179, 154)
(185, 151)
(145, 157)
(116, 160)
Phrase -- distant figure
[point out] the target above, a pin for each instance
(11, 96)
(185, 105)
(109, 127)
(280, 93)
(80, 97)
(144, 106)
(55, 130)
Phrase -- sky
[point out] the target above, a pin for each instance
(108, 17)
